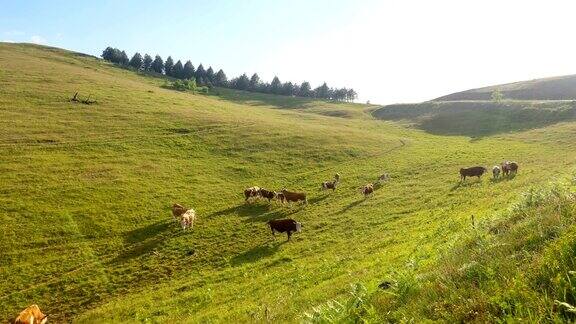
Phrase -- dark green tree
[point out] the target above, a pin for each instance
(322, 91)
(200, 74)
(136, 61)
(305, 90)
(108, 54)
(178, 70)
(276, 86)
(254, 82)
(188, 70)
(288, 89)
(147, 64)
(210, 75)
(124, 60)
(242, 83)
(168, 66)
(158, 64)
(220, 79)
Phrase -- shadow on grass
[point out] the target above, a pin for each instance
(144, 240)
(352, 205)
(466, 184)
(257, 253)
(261, 99)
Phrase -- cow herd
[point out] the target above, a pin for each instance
(187, 216)
(506, 168)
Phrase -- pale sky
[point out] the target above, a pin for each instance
(389, 51)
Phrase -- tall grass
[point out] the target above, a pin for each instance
(518, 266)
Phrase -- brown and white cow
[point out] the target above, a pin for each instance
(251, 193)
(294, 196)
(31, 315)
(178, 210)
(267, 194)
(367, 190)
(287, 226)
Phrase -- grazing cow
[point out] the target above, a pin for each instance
(284, 225)
(294, 196)
(476, 171)
(178, 210)
(267, 194)
(367, 190)
(329, 185)
(337, 177)
(252, 192)
(505, 167)
(280, 196)
(188, 218)
(383, 177)
(31, 315)
(513, 167)
(496, 172)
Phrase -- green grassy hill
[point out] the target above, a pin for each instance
(85, 192)
(554, 88)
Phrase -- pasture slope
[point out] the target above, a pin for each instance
(85, 192)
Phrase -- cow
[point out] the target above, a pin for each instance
(284, 225)
(187, 219)
(252, 192)
(178, 210)
(280, 196)
(476, 171)
(267, 194)
(294, 196)
(496, 172)
(329, 185)
(337, 177)
(505, 166)
(31, 315)
(367, 190)
(383, 177)
(513, 167)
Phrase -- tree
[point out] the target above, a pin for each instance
(254, 82)
(136, 61)
(351, 95)
(108, 54)
(322, 91)
(276, 86)
(242, 83)
(158, 64)
(147, 64)
(287, 89)
(178, 70)
(220, 79)
(124, 60)
(188, 70)
(168, 66)
(209, 75)
(200, 74)
(305, 90)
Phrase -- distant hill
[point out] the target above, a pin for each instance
(554, 88)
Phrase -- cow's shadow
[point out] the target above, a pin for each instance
(351, 205)
(257, 253)
(144, 240)
(245, 209)
(466, 184)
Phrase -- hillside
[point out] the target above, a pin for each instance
(555, 88)
(86, 192)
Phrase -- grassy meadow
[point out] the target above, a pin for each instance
(86, 190)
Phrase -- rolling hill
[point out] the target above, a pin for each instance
(554, 88)
(86, 190)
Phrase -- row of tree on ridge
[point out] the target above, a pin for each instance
(207, 77)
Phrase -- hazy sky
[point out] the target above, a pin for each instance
(389, 51)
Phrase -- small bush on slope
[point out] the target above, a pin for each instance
(518, 268)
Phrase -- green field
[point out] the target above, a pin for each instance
(86, 190)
